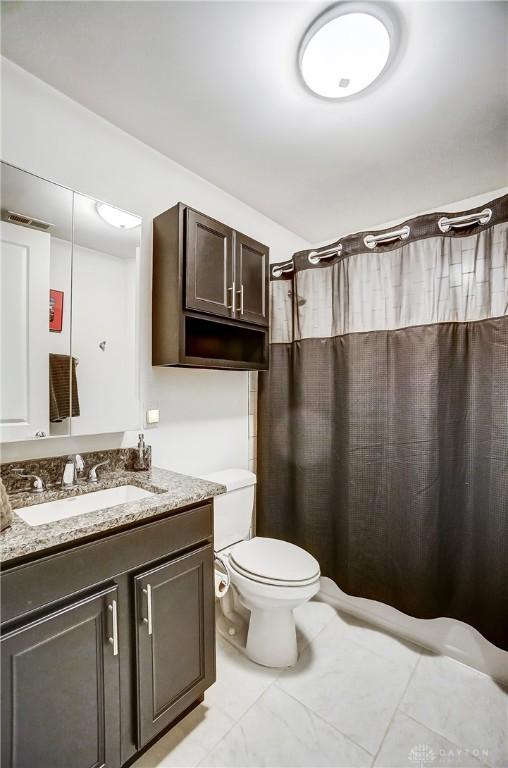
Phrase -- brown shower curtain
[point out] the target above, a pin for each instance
(383, 420)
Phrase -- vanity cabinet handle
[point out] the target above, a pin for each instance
(148, 620)
(114, 613)
(232, 306)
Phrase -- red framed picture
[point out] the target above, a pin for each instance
(56, 299)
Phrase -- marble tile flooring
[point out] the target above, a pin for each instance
(357, 697)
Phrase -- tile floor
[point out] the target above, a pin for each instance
(358, 697)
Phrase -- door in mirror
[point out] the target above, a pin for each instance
(36, 366)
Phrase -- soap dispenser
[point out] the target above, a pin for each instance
(140, 461)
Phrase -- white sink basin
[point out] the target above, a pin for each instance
(49, 512)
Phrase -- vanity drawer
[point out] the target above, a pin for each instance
(31, 586)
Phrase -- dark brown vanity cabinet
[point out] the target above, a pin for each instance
(175, 649)
(106, 644)
(210, 294)
(60, 688)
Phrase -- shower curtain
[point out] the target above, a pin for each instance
(383, 420)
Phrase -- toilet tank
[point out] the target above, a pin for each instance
(233, 509)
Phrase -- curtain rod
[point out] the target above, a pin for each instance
(445, 224)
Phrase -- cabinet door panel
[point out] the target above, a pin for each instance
(175, 639)
(251, 265)
(60, 680)
(209, 265)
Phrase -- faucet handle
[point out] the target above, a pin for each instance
(79, 463)
(38, 483)
(92, 475)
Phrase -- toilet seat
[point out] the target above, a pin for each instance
(274, 562)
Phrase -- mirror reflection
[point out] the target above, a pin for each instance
(103, 324)
(35, 268)
(68, 335)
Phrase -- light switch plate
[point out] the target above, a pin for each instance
(152, 416)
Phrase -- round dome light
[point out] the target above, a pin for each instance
(344, 51)
(116, 217)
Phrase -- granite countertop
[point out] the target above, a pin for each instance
(172, 491)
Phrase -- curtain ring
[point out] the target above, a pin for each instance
(446, 223)
(316, 256)
(387, 237)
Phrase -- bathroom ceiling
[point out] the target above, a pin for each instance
(215, 86)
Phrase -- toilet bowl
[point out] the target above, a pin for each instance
(272, 578)
(269, 577)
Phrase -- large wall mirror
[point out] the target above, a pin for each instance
(68, 312)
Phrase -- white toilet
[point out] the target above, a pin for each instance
(270, 577)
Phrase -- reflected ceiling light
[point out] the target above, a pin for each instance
(346, 49)
(116, 217)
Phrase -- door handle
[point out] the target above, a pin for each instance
(241, 298)
(148, 592)
(232, 306)
(114, 617)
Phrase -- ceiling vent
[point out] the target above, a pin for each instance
(27, 221)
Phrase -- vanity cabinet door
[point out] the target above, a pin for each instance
(60, 689)
(175, 619)
(251, 279)
(209, 265)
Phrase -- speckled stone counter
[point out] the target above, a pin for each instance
(172, 491)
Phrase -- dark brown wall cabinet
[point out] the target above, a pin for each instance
(106, 645)
(210, 294)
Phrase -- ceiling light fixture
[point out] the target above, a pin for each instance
(116, 217)
(346, 49)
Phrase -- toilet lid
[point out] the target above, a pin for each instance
(274, 560)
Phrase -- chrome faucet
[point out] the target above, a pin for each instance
(37, 485)
(92, 475)
(72, 470)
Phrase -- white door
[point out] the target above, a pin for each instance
(24, 318)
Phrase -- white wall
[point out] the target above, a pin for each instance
(204, 423)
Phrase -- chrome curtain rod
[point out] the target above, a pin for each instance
(387, 237)
(316, 256)
(445, 224)
(280, 269)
